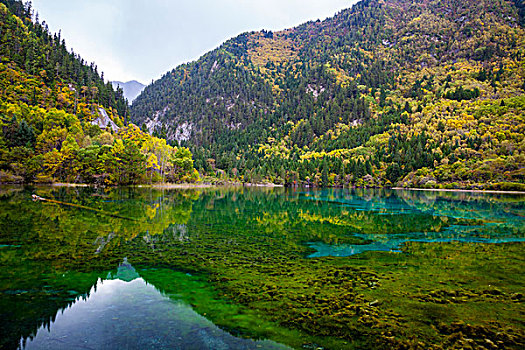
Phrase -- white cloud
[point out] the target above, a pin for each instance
(143, 39)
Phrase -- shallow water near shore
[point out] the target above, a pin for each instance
(260, 268)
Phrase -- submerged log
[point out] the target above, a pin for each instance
(42, 199)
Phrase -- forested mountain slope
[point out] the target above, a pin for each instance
(408, 92)
(50, 101)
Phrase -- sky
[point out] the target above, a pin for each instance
(143, 39)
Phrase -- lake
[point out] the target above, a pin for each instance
(260, 268)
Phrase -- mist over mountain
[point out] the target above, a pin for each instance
(131, 89)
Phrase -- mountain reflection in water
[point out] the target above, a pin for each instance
(128, 313)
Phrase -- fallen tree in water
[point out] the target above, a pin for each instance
(42, 199)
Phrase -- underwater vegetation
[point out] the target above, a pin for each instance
(264, 264)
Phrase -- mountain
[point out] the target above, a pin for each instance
(60, 121)
(131, 89)
(399, 92)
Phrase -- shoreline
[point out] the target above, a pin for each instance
(64, 184)
(207, 185)
(261, 185)
(457, 190)
(158, 186)
(176, 186)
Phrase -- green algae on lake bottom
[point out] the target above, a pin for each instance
(421, 269)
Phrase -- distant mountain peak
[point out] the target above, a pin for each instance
(131, 89)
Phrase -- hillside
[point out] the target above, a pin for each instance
(130, 89)
(399, 92)
(59, 120)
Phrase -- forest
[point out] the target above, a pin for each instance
(52, 103)
(405, 93)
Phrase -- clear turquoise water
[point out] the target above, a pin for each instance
(500, 223)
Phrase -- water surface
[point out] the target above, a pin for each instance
(253, 268)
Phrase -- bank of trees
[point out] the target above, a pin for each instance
(69, 150)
